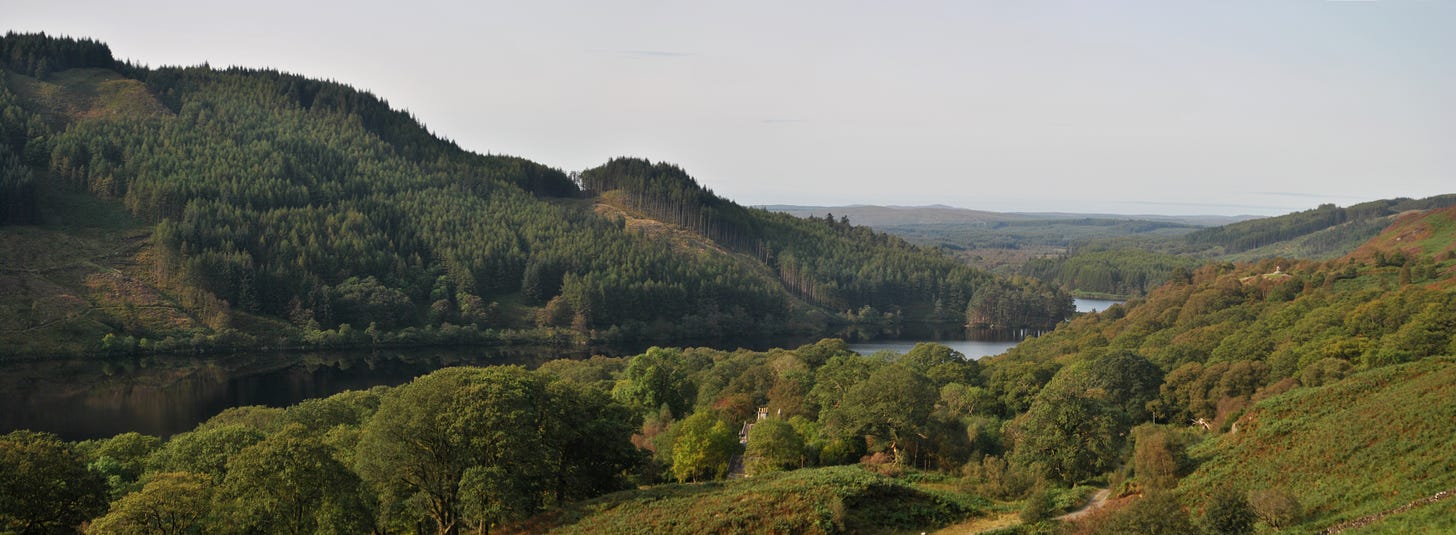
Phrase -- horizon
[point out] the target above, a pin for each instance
(1039, 212)
(1127, 108)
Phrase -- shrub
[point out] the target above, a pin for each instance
(1160, 455)
(1276, 507)
(1155, 514)
(998, 478)
(1153, 461)
(1228, 512)
(1038, 505)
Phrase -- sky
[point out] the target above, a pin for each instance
(1133, 107)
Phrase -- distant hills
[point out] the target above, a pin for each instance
(937, 214)
(1102, 255)
(1022, 243)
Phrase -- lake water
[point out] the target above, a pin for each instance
(163, 395)
(976, 345)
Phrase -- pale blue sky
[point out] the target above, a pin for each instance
(1225, 107)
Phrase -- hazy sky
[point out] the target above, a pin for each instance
(1220, 107)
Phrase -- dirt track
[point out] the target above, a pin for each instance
(1097, 500)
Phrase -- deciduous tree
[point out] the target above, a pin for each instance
(44, 484)
(890, 408)
(773, 445)
(704, 446)
(169, 503)
(291, 483)
(428, 434)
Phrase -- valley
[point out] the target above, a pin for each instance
(236, 300)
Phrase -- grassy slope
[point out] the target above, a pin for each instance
(1427, 233)
(842, 499)
(79, 273)
(53, 302)
(1421, 232)
(86, 94)
(1435, 518)
(1370, 443)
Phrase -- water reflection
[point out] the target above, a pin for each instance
(972, 343)
(79, 399)
(163, 395)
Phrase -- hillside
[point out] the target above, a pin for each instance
(1370, 443)
(1262, 233)
(1318, 381)
(1368, 308)
(246, 208)
(828, 263)
(1130, 265)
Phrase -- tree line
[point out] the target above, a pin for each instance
(38, 55)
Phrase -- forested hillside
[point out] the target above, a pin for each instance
(1246, 235)
(831, 263)
(1131, 265)
(283, 210)
(1388, 302)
